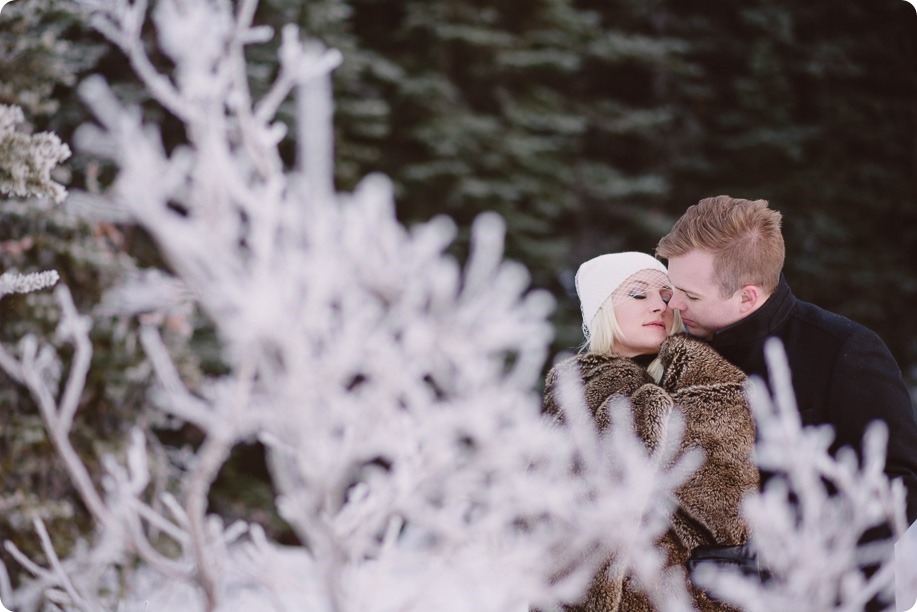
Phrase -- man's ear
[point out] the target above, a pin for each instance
(750, 298)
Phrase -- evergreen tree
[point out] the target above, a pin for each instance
(38, 55)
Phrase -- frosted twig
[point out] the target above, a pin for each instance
(28, 564)
(60, 574)
(160, 522)
(11, 282)
(315, 139)
(6, 587)
(175, 569)
(10, 365)
(260, 156)
(75, 328)
(162, 364)
(290, 55)
(210, 458)
(59, 432)
(132, 44)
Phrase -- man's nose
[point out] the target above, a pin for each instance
(676, 302)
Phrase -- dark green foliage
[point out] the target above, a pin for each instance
(38, 53)
(590, 126)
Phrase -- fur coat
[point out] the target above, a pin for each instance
(709, 392)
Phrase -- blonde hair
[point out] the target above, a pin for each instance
(606, 332)
(743, 236)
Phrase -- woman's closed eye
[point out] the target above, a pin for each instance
(637, 296)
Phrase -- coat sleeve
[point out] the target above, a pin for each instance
(602, 376)
(549, 399)
(709, 392)
(652, 407)
(718, 421)
(866, 385)
(552, 404)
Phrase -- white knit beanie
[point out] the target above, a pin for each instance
(598, 278)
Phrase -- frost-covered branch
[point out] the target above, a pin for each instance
(11, 282)
(26, 160)
(39, 369)
(76, 581)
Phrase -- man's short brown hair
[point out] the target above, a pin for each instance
(742, 235)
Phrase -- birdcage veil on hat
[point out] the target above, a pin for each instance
(597, 279)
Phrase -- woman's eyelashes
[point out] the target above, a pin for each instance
(641, 292)
(642, 295)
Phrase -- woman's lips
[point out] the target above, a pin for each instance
(655, 324)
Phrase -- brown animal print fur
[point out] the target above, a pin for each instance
(709, 392)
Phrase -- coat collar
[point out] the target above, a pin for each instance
(761, 323)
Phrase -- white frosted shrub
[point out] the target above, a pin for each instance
(393, 388)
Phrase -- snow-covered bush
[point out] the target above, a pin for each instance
(393, 387)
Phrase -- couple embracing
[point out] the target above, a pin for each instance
(689, 335)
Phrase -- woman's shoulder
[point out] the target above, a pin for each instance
(602, 374)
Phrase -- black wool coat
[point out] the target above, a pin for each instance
(843, 375)
(709, 392)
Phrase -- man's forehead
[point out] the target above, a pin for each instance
(692, 273)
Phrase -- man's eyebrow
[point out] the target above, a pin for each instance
(686, 290)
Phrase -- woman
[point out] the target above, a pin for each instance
(634, 349)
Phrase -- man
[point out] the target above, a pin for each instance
(725, 259)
